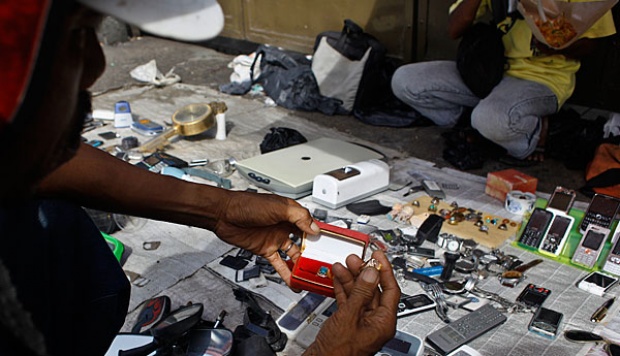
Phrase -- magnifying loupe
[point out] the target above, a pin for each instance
(190, 120)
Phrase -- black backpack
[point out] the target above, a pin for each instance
(480, 55)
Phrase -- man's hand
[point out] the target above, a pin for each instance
(262, 223)
(366, 315)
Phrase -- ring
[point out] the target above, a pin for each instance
(372, 263)
(288, 247)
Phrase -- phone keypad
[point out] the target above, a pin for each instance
(612, 265)
(596, 219)
(585, 257)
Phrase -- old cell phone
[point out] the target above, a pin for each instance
(554, 240)
(146, 127)
(247, 273)
(533, 296)
(411, 304)
(590, 246)
(403, 344)
(297, 317)
(561, 200)
(601, 211)
(536, 227)
(597, 283)
(109, 135)
(612, 262)
(546, 322)
(307, 335)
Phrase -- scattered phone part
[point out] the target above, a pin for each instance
(536, 227)
(246, 274)
(109, 135)
(146, 127)
(302, 313)
(533, 296)
(421, 251)
(153, 310)
(94, 143)
(598, 283)
(412, 304)
(457, 301)
(465, 350)
(245, 254)
(465, 329)
(561, 200)
(590, 246)
(433, 189)
(546, 322)
(601, 211)
(554, 240)
(307, 335)
(350, 183)
(403, 344)
(612, 262)
(475, 302)
(158, 160)
(234, 262)
(430, 227)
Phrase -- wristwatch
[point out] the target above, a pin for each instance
(449, 242)
(513, 277)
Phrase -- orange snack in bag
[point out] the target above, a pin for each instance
(556, 31)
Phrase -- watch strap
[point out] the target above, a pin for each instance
(525, 267)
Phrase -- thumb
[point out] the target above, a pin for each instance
(365, 287)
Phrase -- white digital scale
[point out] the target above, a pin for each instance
(290, 171)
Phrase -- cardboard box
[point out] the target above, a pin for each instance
(501, 182)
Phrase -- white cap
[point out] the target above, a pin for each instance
(186, 20)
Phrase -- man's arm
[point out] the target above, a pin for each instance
(260, 223)
(462, 17)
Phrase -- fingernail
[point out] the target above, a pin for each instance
(315, 227)
(370, 275)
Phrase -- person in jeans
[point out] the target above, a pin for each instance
(537, 82)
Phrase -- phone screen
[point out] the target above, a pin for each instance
(616, 249)
(600, 280)
(561, 200)
(559, 226)
(604, 205)
(593, 240)
(539, 220)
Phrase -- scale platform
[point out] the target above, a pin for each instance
(290, 171)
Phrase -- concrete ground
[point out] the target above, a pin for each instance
(200, 65)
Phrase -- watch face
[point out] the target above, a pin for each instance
(453, 245)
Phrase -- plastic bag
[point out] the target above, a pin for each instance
(574, 18)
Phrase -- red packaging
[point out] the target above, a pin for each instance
(499, 183)
(312, 272)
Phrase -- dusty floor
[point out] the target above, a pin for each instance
(204, 66)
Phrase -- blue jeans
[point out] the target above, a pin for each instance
(510, 116)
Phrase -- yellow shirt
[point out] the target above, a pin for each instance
(557, 72)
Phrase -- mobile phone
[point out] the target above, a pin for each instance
(612, 262)
(597, 283)
(146, 127)
(411, 304)
(533, 296)
(233, 262)
(109, 135)
(536, 227)
(295, 319)
(308, 334)
(247, 273)
(561, 200)
(601, 211)
(590, 246)
(403, 344)
(546, 322)
(557, 234)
